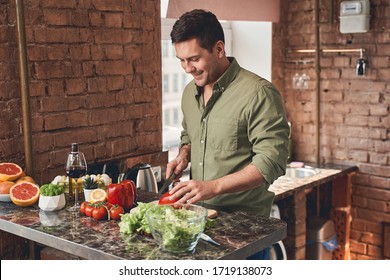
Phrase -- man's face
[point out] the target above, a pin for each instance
(198, 62)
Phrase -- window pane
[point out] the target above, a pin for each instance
(174, 81)
(166, 84)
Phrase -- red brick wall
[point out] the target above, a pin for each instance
(95, 78)
(354, 111)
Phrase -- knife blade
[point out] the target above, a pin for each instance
(166, 184)
(207, 238)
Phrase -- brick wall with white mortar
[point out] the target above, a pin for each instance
(95, 78)
(354, 111)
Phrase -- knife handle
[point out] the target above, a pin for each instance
(167, 183)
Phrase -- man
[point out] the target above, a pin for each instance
(235, 132)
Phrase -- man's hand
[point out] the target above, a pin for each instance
(193, 191)
(180, 163)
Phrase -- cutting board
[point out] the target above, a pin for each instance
(211, 213)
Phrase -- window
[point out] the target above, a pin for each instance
(175, 82)
(167, 117)
(184, 80)
(176, 117)
(165, 84)
(165, 49)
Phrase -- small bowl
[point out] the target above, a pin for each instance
(51, 203)
(177, 228)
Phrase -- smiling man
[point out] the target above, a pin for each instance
(235, 131)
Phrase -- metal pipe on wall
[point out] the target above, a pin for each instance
(317, 70)
(24, 87)
(317, 95)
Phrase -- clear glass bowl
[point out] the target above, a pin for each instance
(177, 229)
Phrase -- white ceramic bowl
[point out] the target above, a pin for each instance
(177, 230)
(51, 203)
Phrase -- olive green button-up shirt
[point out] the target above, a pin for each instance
(243, 123)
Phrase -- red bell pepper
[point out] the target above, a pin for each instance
(121, 194)
(133, 187)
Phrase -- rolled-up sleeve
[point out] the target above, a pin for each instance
(268, 132)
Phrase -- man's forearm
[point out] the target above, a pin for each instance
(245, 179)
(185, 152)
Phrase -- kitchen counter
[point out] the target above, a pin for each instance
(326, 194)
(240, 234)
(286, 186)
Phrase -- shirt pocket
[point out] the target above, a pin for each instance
(223, 134)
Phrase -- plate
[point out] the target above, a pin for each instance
(5, 197)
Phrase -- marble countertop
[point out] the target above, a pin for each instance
(286, 186)
(240, 234)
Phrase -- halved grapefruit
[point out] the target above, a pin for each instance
(10, 171)
(24, 193)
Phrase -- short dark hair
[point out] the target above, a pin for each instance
(201, 25)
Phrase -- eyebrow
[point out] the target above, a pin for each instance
(189, 58)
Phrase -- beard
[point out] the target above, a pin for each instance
(201, 80)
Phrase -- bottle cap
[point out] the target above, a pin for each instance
(75, 148)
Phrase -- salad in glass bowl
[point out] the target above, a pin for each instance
(177, 228)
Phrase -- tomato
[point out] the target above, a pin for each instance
(116, 211)
(88, 209)
(165, 199)
(82, 207)
(99, 212)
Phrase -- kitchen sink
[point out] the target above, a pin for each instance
(301, 172)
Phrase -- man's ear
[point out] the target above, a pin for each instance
(220, 47)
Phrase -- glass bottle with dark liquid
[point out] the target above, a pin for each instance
(76, 167)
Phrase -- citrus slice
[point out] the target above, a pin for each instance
(10, 171)
(98, 195)
(24, 193)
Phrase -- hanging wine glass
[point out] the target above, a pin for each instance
(76, 167)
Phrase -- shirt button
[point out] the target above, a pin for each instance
(200, 163)
(204, 120)
(202, 141)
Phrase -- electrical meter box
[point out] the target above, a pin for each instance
(354, 16)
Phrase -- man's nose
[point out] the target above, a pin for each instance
(188, 67)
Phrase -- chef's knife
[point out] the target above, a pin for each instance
(166, 184)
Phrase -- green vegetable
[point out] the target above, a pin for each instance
(178, 228)
(136, 221)
(51, 189)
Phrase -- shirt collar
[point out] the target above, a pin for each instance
(224, 81)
